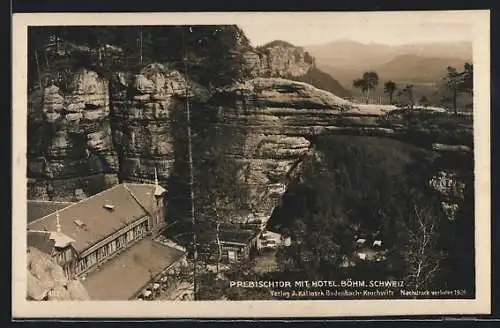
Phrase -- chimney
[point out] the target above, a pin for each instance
(58, 222)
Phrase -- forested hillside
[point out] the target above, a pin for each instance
(374, 188)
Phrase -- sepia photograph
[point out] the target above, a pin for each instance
(303, 160)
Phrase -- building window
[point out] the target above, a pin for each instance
(104, 251)
(69, 254)
(82, 265)
(232, 255)
(60, 257)
(119, 242)
(112, 247)
(142, 228)
(92, 259)
(130, 235)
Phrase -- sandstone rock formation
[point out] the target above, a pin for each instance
(96, 133)
(145, 107)
(267, 124)
(70, 145)
(46, 280)
(278, 59)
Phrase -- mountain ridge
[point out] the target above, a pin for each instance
(349, 53)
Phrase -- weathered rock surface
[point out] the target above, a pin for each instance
(270, 123)
(70, 145)
(46, 280)
(266, 126)
(278, 59)
(146, 108)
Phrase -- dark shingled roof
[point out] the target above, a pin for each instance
(237, 236)
(123, 276)
(130, 202)
(143, 194)
(39, 208)
(41, 241)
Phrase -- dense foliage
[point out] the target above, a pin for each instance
(212, 53)
(360, 187)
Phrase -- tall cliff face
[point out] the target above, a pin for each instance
(93, 138)
(88, 132)
(272, 124)
(145, 110)
(70, 143)
(262, 127)
(97, 133)
(282, 59)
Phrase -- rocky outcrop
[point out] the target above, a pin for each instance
(265, 126)
(278, 59)
(272, 121)
(281, 59)
(297, 108)
(146, 108)
(94, 133)
(70, 145)
(47, 281)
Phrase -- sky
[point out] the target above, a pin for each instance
(384, 28)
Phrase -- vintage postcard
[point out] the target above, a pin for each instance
(237, 165)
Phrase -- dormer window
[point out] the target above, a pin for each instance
(79, 223)
(109, 207)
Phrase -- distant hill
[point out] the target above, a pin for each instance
(422, 65)
(351, 54)
(324, 81)
(346, 60)
(414, 68)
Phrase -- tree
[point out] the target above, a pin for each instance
(390, 87)
(407, 91)
(457, 82)
(424, 101)
(453, 83)
(467, 79)
(421, 255)
(367, 82)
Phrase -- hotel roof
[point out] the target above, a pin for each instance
(41, 240)
(40, 208)
(122, 277)
(97, 217)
